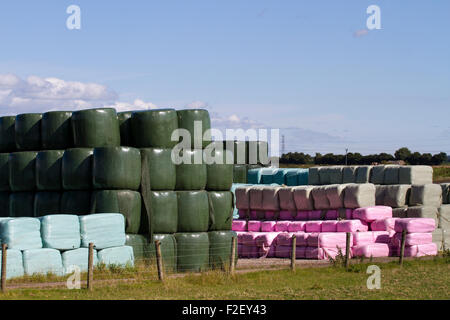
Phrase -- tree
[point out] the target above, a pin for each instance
(402, 154)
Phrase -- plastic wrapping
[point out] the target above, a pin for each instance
(422, 250)
(296, 226)
(187, 119)
(329, 226)
(351, 226)
(397, 196)
(42, 261)
(164, 210)
(370, 214)
(426, 195)
(321, 201)
(413, 239)
(373, 250)
(363, 174)
(270, 199)
(445, 192)
(119, 256)
(254, 226)
(391, 175)
(387, 224)
(362, 238)
(77, 257)
(417, 175)
(105, 230)
(191, 176)
(303, 197)
(219, 175)
(335, 195)
(359, 195)
(254, 176)
(256, 197)
(377, 174)
(60, 232)
(77, 169)
(314, 178)
(4, 204)
(7, 134)
(168, 250)
(336, 174)
(48, 170)
(349, 174)
(21, 233)
(220, 248)
(282, 226)
(14, 264)
(22, 171)
(140, 244)
(424, 212)
(56, 130)
(76, 202)
(240, 173)
(21, 204)
(28, 131)
(126, 138)
(192, 251)
(157, 165)
(193, 211)
(313, 226)
(239, 225)
(221, 203)
(4, 172)
(413, 225)
(327, 240)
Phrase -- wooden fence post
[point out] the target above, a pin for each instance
(347, 250)
(293, 257)
(4, 247)
(159, 263)
(233, 255)
(90, 266)
(402, 247)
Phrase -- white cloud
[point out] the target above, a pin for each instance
(138, 104)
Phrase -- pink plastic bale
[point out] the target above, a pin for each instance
(254, 226)
(413, 239)
(239, 248)
(248, 238)
(363, 238)
(302, 239)
(302, 215)
(269, 215)
(240, 236)
(327, 240)
(313, 226)
(257, 215)
(239, 225)
(333, 252)
(282, 226)
(374, 250)
(351, 226)
(314, 253)
(315, 215)
(268, 226)
(296, 226)
(420, 250)
(242, 214)
(329, 226)
(331, 215)
(272, 251)
(251, 251)
(387, 224)
(265, 238)
(348, 214)
(300, 252)
(373, 213)
(383, 236)
(283, 251)
(287, 215)
(415, 225)
(284, 239)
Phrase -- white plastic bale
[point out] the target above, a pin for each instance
(359, 195)
(399, 212)
(287, 202)
(391, 174)
(320, 198)
(438, 237)
(416, 175)
(445, 193)
(335, 174)
(119, 256)
(380, 191)
(242, 198)
(42, 261)
(271, 199)
(313, 176)
(77, 257)
(60, 231)
(377, 174)
(324, 175)
(426, 195)
(256, 197)
(444, 217)
(397, 196)
(104, 230)
(349, 174)
(424, 212)
(335, 195)
(363, 174)
(14, 264)
(21, 233)
(303, 198)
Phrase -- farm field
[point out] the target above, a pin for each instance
(423, 278)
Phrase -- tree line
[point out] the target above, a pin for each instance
(402, 154)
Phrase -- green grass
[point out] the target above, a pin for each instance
(441, 173)
(418, 279)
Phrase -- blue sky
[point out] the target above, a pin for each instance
(293, 65)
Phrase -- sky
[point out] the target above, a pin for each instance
(311, 69)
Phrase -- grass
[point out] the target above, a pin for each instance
(441, 174)
(417, 279)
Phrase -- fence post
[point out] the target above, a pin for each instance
(347, 250)
(233, 255)
(90, 266)
(4, 247)
(402, 247)
(294, 246)
(159, 260)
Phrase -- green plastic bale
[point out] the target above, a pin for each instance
(186, 120)
(168, 247)
(95, 128)
(219, 174)
(154, 128)
(193, 211)
(159, 169)
(125, 128)
(48, 170)
(22, 171)
(220, 244)
(4, 172)
(221, 210)
(21, 204)
(192, 252)
(76, 202)
(140, 245)
(164, 210)
(56, 130)
(7, 134)
(47, 203)
(240, 173)
(28, 131)
(191, 176)
(76, 169)
(4, 204)
(126, 202)
(116, 168)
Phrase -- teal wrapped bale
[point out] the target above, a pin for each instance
(22, 171)
(191, 176)
(219, 174)
(220, 243)
(303, 177)
(126, 202)
(193, 211)
(140, 245)
(240, 173)
(187, 119)
(168, 247)
(77, 257)
(267, 175)
(221, 209)
(56, 130)
(125, 128)
(95, 128)
(279, 176)
(192, 252)
(117, 256)
(164, 210)
(14, 264)
(154, 128)
(4, 204)
(4, 172)
(76, 202)
(21, 233)
(7, 134)
(254, 176)
(21, 204)
(158, 168)
(76, 169)
(46, 203)
(28, 131)
(104, 230)
(48, 170)
(42, 261)
(116, 168)
(60, 231)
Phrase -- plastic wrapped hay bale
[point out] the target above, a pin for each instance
(287, 202)
(219, 174)
(424, 212)
(426, 195)
(7, 134)
(335, 195)
(386, 224)
(191, 174)
(118, 256)
(140, 244)
(321, 201)
(256, 197)
(413, 225)
(192, 251)
(363, 174)
(377, 174)
(105, 230)
(380, 193)
(21, 204)
(313, 177)
(77, 169)
(240, 173)
(444, 217)
(325, 175)
(417, 175)
(359, 195)
(349, 174)
(188, 119)
(4, 172)
(48, 170)
(399, 212)
(351, 226)
(157, 165)
(22, 171)
(28, 131)
(164, 210)
(445, 193)
(270, 198)
(391, 174)
(193, 211)
(125, 128)
(242, 198)
(60, 232)
(168, 250)
(42, 261)
(4, 204)
(220, 248)
(421, 250)
(14, 264)
(373, 250)
(76, 202)
(254, 176)
(303, 197)
(56, 130)
(336, 174)
(369, 214)
(77, 257)
(221, 206)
